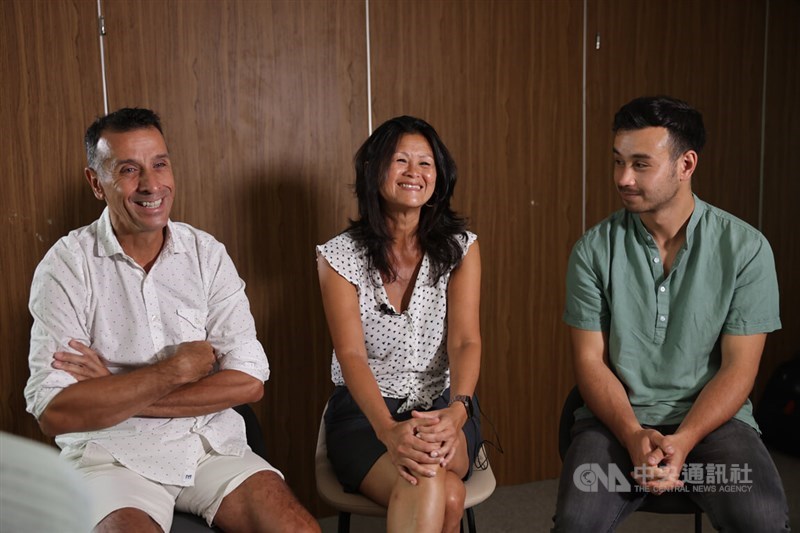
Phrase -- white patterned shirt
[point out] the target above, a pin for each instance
(86, 288)
(407, 352)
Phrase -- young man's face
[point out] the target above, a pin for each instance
(135, 180)
(645, 172)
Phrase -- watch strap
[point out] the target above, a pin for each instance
(464, 399)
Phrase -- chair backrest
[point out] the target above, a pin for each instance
(255, 437)
(482, 483)
(329, 488)
(322, 439)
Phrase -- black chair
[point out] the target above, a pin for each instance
(667, 503)
(189, 523)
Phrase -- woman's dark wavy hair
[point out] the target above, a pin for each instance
(439, 226)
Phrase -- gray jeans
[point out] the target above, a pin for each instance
(729, 474)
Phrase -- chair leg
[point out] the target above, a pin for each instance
(344, 522)
(471, 520)
(698, 522)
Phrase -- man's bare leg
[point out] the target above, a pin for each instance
(128, 519)
(264, 503)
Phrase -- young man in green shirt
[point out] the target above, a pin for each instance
(669, 301)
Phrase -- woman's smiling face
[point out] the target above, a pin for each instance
(411, 177)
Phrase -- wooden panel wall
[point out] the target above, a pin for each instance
(500, 82)
(50, 60)
(693, 52)
(263, 104)
(781, 184)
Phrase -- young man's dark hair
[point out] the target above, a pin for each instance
(684, 123)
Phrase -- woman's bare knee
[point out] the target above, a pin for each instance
(455, 494)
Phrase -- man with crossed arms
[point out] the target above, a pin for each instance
(142, 342)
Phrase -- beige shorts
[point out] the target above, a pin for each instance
(113, 486)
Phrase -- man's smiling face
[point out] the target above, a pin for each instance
(135, 179)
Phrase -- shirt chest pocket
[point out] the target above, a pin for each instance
(192, 324)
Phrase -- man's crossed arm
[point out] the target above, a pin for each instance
(180, 386)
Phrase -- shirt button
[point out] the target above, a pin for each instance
(656, 260)
(662, 318)
(662, 288)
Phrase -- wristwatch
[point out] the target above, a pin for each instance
(466, 400)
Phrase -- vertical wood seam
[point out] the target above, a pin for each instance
(763, 122)
(369, 69)
(101, 36)
(583, 122)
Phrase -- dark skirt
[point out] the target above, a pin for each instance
(353, 446)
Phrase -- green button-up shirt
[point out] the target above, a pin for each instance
(664, 331)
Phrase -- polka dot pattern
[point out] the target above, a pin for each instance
(407, 352)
